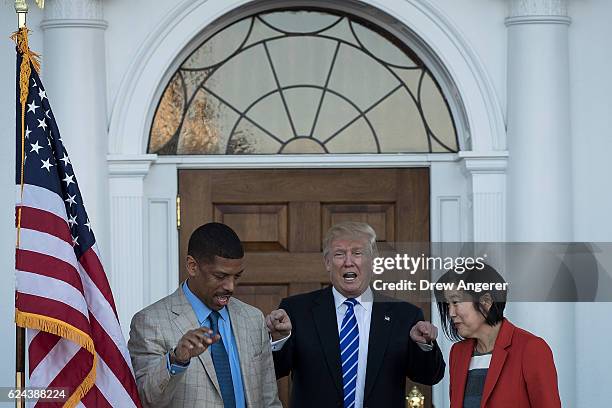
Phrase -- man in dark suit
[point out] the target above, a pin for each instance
(346, 346)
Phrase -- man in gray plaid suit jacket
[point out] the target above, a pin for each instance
(199, 347)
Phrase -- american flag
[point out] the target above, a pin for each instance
(62, 296)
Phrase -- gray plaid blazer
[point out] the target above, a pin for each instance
(157, 329)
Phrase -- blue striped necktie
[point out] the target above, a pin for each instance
(349, 353)
(222, 365)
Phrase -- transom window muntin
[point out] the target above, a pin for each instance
(302, 82)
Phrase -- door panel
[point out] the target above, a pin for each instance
(261, 227)
(282, 216)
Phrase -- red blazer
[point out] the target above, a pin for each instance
(522, 372)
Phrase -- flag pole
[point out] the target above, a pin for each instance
(20, 364)
(21, 8)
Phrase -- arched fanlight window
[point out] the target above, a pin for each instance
(302, 82)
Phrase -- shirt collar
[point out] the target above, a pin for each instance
(199, 308)
(365, 299)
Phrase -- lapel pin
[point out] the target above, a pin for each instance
(387, 318)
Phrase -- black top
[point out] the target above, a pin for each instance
(477, 374)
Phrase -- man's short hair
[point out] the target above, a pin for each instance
(349, 229)
(214, 239)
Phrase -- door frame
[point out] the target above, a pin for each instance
(467, 203)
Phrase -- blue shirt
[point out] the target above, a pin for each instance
(225, 330)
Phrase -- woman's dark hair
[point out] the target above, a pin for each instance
(471, 277)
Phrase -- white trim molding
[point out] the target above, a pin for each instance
(71, 23)
(130, 165)
(288, 161)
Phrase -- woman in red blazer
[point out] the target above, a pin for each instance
(495, 364)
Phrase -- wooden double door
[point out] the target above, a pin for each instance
(282, 216)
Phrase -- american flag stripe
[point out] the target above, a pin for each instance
(81, 364)
(113, 388)
(34, 284)
(95, 398)
(109, 389)
(61, 286)
(44, 221)
(50, 366)
(109, 352)
(103, 313)
(42, 199)
(35, 262)
(45, 342)
(36, 241)
(90, 261)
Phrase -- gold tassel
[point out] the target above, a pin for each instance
(55, 326)
(67, 331)
(28, 56)
(21, 40)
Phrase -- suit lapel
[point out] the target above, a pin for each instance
(504, 340)
(324, 318)
(381, 323)
(186, 320)
(241, 334)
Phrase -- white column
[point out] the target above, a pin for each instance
(487, 179)
(487, 175)
(74, 76)
(539, 168)
(539, 165)
(128, 230)
(459, 217)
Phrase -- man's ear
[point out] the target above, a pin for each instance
(327, 263)
(191, 265)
